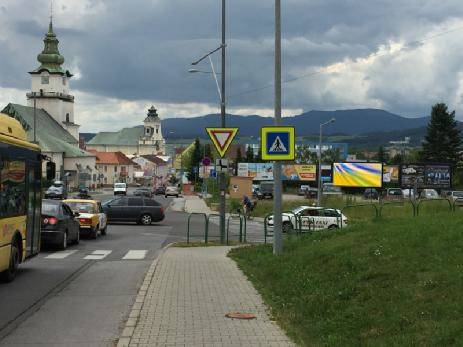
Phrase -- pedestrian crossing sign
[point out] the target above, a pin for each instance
(278, 143)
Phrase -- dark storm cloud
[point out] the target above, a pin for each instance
(141, 50)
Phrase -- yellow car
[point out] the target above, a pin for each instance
(91, 217)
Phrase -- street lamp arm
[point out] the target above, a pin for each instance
(208, 54)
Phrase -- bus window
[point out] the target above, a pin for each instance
(13, 188)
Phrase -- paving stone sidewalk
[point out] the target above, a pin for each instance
(184, 299)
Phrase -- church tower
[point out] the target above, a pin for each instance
(152, 141)
(50, 85)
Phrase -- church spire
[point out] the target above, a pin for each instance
(50, 58)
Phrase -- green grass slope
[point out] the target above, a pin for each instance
(389, 282)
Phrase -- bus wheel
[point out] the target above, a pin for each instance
(9, 274)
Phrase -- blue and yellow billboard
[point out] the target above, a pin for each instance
(366, 175)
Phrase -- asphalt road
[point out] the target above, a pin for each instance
(82, 296)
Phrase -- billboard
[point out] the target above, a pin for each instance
(290, 172)
(306, 173)
(438, 176)
(411, 175)
(391, 173)
(367, 175)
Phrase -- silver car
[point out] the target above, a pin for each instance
(172, 191)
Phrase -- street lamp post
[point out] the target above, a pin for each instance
(221, 90)
(319, 192)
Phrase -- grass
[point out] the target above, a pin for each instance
(382, 282)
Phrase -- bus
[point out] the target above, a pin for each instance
(20, 197)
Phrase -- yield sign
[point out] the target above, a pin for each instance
(222, 138)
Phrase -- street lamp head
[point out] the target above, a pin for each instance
(193, 70)
(332, 120)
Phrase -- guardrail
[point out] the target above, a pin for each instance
(188, 224)
(432, 200)
(361, 205)
(208, 221)
(234, 217)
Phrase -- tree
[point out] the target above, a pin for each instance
(442, 142)
(239, 156)
(330, 156)
(208, 150)
(382, 156)
(249, 154)
(195, 160)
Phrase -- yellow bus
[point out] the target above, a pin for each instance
(20, 197)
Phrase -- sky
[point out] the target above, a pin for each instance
(398, 55)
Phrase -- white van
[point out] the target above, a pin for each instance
(120, 188)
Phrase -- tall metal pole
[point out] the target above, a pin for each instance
(35, 118)
(222, 183)
(277, 209)
(319, 192)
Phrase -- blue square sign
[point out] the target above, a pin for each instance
(278, 143)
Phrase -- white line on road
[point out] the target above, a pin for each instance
(135, 255)
(98, 254)
(60, 255)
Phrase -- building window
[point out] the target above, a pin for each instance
(64, 80)
(147, 131)
(105, 169)
(115, 168)
(123, 168)
(67, 117)
(157, 130)
(45, 79)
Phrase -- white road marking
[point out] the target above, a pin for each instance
(60, 255)
(98, 254)
(135, 254)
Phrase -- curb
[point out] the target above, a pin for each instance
(131, 323)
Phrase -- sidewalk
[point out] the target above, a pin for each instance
(194, 204)
(184, 299)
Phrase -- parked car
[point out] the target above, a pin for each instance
(408, 193)
(393, 194)
(302, 189)
(56, 191)
(172, 191)
(142, 191)
(330, 189)
(134, 209)
(317, 218)
(370, 194)
(120, 189)
(160, 191)
(59, 225)
(456, 196)
(266, 190)
(429, 194)
(83, 194)
(92, 220)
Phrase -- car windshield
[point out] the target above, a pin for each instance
(298, 210)
(82, 207)
(58, 184)
(50, 209)
(119, 185)
(329, 188)
(395, 192)
(458, 194)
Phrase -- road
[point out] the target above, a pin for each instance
(82, 296)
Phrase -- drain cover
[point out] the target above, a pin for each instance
(240, 315)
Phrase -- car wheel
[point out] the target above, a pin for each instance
(77, 238)
(176, 196)
(9, 274)
(165, 196)
(94, 233)
(103, 231)
(64, 244)
(287, 227)
(145, 219)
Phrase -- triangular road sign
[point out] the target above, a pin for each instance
(222, 138)
(278, 146)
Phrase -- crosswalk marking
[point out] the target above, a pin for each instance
(98, 254)
(60, 255)
(135, 254)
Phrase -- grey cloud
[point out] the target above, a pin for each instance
(141, 50)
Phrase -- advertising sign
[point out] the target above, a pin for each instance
(411, 175)
(391, 173)
(264, 172)
(367, 175)
(299, 173)
(438, 176)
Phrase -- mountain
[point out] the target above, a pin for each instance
(348, 122)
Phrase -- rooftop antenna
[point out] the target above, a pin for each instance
(51, 11)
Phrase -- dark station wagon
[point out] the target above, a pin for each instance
(133, 209)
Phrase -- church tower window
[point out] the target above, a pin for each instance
(67, 117)
(45, 80)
